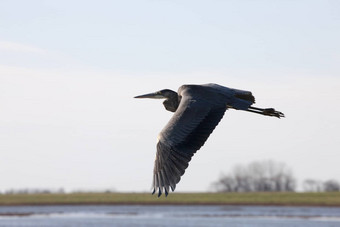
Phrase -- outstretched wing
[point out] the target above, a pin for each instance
(186, 132)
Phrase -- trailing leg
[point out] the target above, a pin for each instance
(267, 111)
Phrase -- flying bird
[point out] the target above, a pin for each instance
(197, 111)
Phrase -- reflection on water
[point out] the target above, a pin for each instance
(85, 216)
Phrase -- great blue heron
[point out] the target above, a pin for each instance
(198, 109)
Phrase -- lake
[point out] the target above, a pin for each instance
(167, 215)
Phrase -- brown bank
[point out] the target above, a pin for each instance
(280, 199)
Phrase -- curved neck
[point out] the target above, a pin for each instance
(172, 101)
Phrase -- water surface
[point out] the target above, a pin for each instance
(166, 215)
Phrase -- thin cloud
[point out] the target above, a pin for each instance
(19, 47)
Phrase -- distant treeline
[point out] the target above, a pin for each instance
(268, 176)
(30, 191)
(262, 176)
(311, 185)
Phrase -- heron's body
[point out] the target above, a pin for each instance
(197, 111)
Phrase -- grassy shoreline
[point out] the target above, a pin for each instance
(279, 199)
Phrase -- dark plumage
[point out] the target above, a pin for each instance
(198, 109)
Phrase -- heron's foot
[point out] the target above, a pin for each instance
(272, 112)
(267, 111)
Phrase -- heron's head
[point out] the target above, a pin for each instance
(171, 98)
(162, 94)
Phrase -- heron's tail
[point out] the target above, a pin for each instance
(267, 111)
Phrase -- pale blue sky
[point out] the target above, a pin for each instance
(69, 70)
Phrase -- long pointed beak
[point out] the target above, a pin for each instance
(154, 95)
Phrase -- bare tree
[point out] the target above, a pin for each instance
(225, 184)
(310, 185)
(258, 176)
(331, 186)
